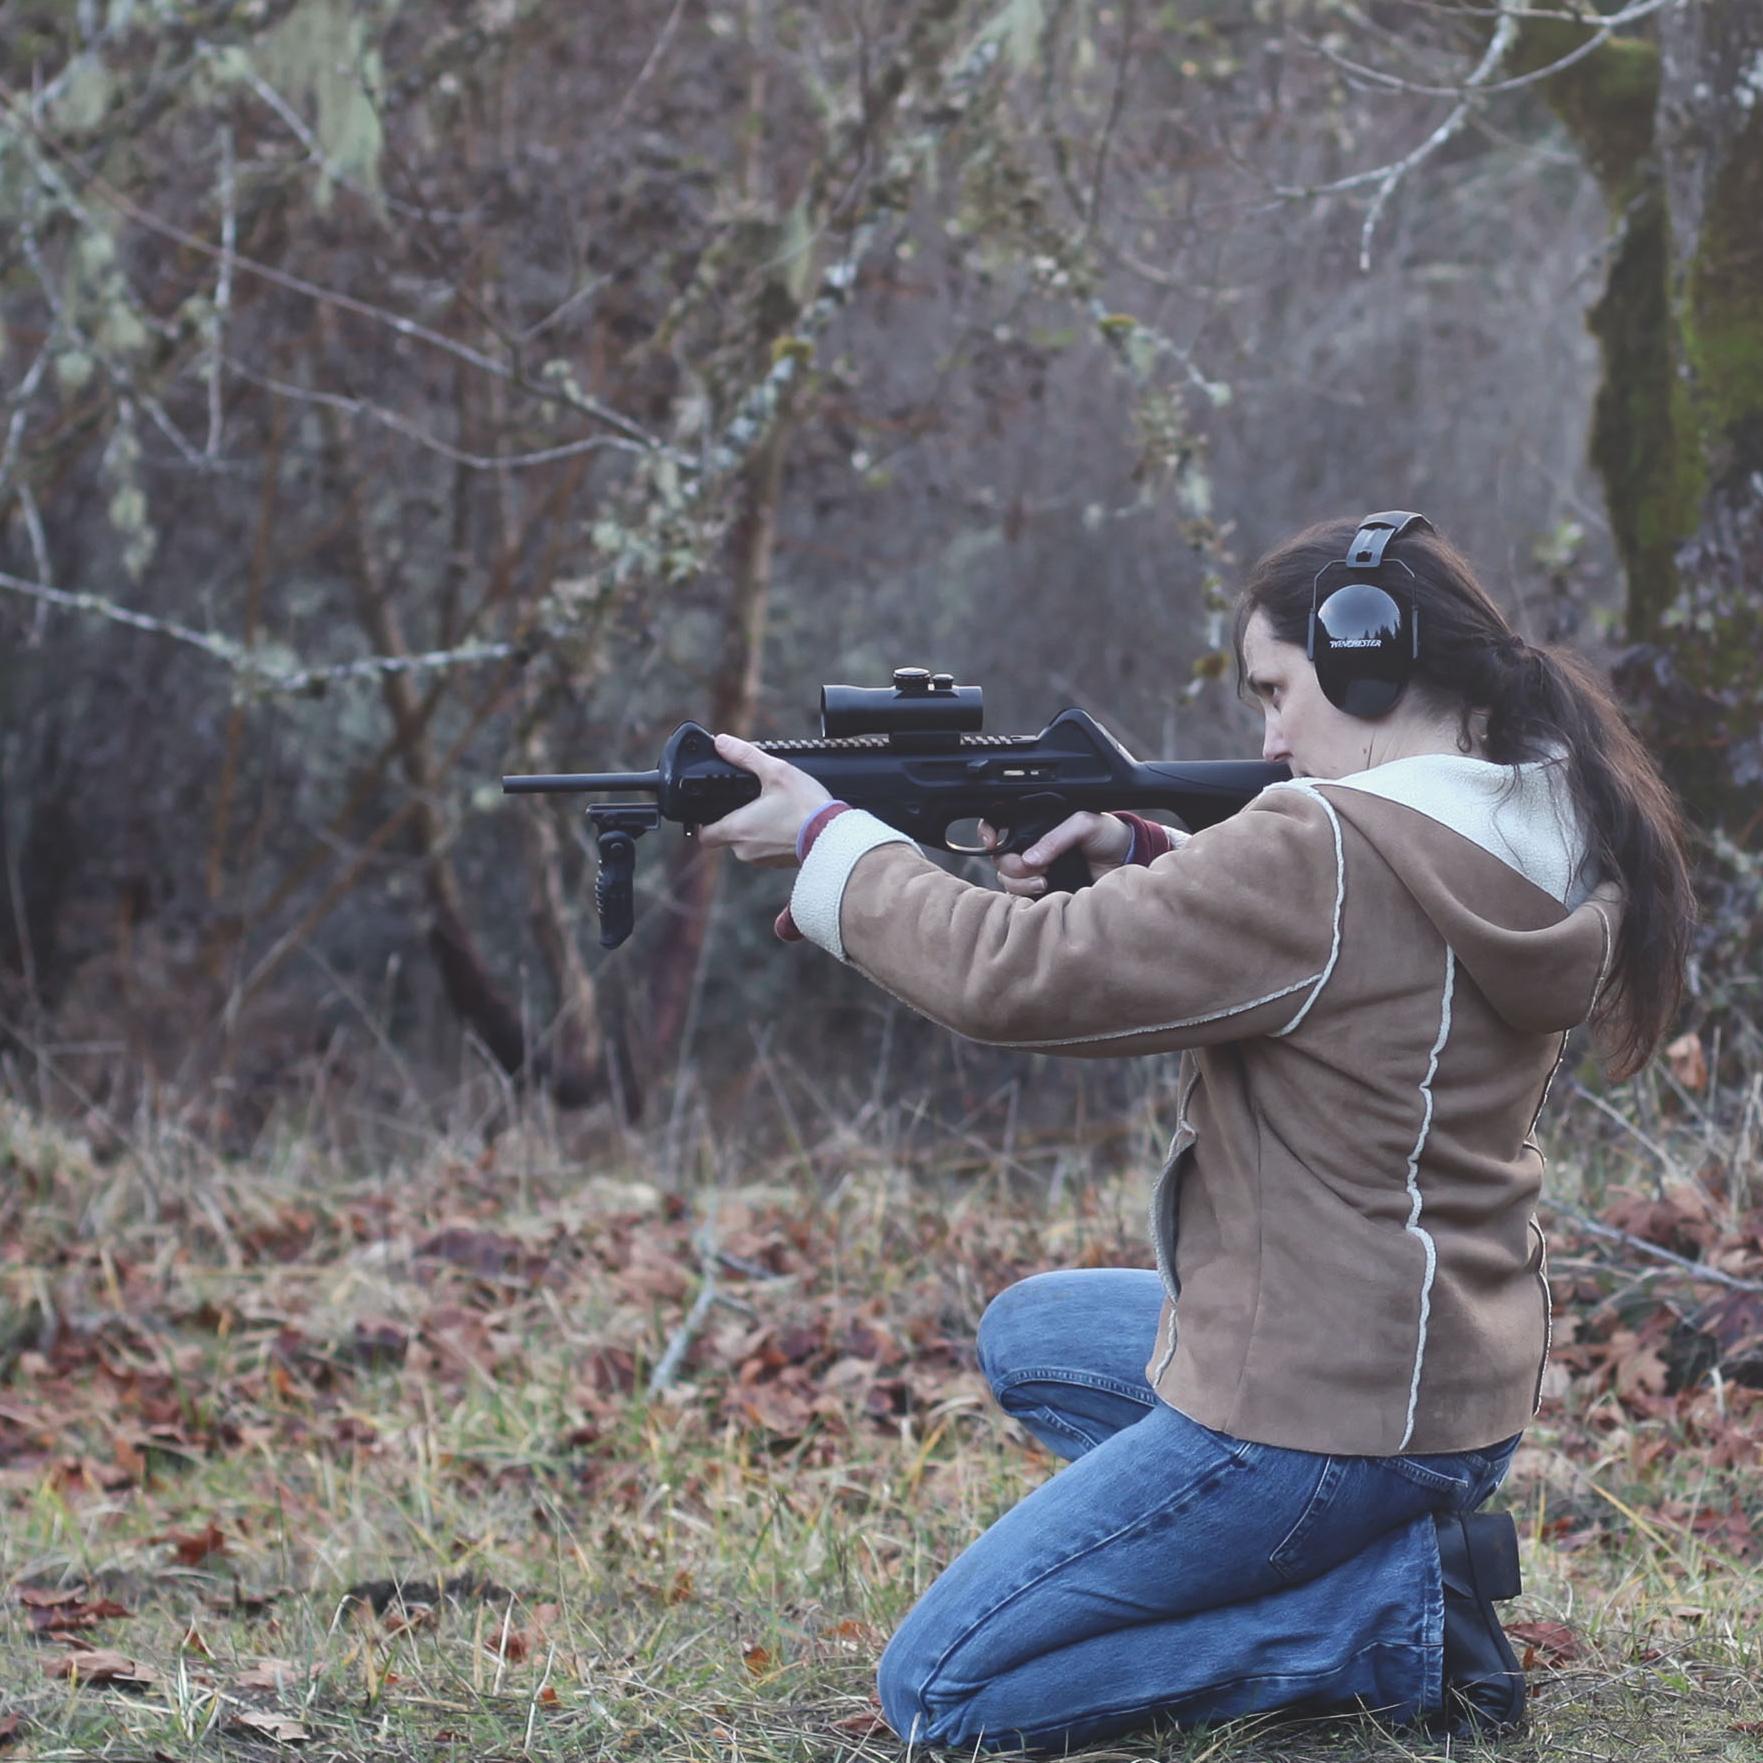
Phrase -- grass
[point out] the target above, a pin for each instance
(236, 1393)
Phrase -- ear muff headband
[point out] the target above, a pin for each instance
(1364, 639)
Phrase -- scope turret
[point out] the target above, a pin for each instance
(918, 702)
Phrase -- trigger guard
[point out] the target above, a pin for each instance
(971, 850)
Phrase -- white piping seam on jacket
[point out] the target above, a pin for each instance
(1165, 1268)
(1604, 964)
(1548, 1084)
(1153, 1028)
(1548, 1315)
(1413, 1224)
(1340, 895)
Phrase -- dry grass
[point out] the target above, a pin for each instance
(231, 1391)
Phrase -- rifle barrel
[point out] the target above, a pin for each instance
(537, 783)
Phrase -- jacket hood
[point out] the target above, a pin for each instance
(1498, 858)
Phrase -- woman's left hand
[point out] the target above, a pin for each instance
(764, 831)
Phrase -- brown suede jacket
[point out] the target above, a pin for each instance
(1370, 981)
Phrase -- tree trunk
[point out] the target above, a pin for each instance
(1673, 130)
(575, 1074)
(692, 871)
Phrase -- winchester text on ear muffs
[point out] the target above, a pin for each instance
(1364, 638)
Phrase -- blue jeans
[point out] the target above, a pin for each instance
(1170, 1570)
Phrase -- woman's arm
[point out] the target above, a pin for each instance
(1232, 934)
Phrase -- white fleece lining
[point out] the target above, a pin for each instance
(1340, 895)
(1413, 1224)
(1535, 831)
(820, 886)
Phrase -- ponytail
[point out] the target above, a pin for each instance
(1551, 701)
(1541, 704)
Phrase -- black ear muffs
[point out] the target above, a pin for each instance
(1364, 638)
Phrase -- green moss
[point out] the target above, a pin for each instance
(1644, 444)
(1606, 101)
(1722, 308)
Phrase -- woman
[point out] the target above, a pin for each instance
(1371, 973)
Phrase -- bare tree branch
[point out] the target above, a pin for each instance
(326, 297)
(262, 675)
(1602, 25)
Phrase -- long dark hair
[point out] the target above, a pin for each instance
(1536, 700)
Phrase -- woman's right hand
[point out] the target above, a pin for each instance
(1104, 840)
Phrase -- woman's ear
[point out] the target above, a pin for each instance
(1472, 730)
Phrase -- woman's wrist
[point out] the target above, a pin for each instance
(812, 824)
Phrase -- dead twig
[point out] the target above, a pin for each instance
(1697, 1270)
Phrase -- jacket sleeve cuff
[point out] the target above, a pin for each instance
(1149, 840)
(784, 925)
(838, 843)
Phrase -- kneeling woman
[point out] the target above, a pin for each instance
(1278, 1437)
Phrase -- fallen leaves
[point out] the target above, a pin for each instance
(867, 1724)
(66, 1610)
(280, 1727)
(102, 1665)
(1688, 1061)
(268, 1675)
(192, 1548)
(1548, 1645)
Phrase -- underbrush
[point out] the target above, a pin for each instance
(589, 1444)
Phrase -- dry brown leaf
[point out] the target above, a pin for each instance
(1689, 1064)
(759, 1661)
(868, 1724)
(513, 1646)
(854, 1630)
(63, 1618)
(193, 1548)
(101, 1665)
(776, 1410)
(40, 1598)
(269, 1674)
(1548, 1644)
(274, 1726)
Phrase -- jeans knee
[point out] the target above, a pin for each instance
(898, 1682)
(1001, 1338)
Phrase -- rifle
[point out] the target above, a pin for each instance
(912, 754)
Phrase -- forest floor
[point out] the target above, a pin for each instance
(368, 1463)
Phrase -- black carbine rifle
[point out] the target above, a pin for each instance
(913, 755)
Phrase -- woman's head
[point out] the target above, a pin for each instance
(1303, 729)
(1478, 687)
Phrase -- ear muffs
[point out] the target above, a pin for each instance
(1364, 638)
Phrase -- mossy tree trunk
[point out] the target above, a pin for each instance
(1672, 127)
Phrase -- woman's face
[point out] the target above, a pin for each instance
(1302, 729)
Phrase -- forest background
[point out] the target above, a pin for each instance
(392, 397)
